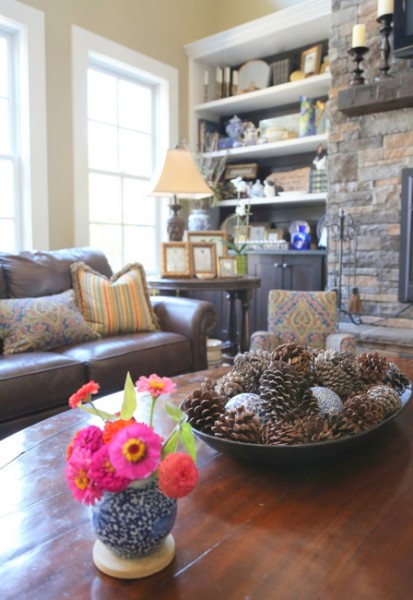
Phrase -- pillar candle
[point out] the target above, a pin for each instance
(385, 7)
(219, 75)
(234, 77)
(227, 74)
(206, 77)
(359, 36)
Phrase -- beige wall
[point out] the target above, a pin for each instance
(157, 28)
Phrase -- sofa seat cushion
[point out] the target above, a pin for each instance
(35, 381)
(109, 359)
(117, 305)
(28, 324)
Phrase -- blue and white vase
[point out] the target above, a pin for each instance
(134, 523)
(199, 220)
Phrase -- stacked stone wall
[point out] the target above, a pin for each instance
(366, 156)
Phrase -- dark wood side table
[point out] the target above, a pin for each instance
(236, 288)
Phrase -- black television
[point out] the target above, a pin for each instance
(403, 29)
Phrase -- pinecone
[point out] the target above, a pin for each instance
(396, 379)
(279, 391)
(327, 374)
(294, 355)
(313, 428)
(203, 408)
(239, 425)
(385, 397)
(230, 384)
(362, 412)
(251, 366)
(373, 367)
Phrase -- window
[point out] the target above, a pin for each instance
(121, 137)
(125, 114)
(23, 173)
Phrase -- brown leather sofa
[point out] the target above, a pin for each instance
(35, 385)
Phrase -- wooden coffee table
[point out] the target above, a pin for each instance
(341, 531)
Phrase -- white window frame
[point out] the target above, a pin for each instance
(87, 46)
(27, 24)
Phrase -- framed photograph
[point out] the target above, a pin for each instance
(246, 171)
(258, 232)
(310, 60)
(274, 235)
(210, 237)
(203, 260)
(175, 260)
(227, 266)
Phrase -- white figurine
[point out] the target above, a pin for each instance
(240, 185)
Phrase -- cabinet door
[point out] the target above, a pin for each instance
(303, 272)
(268, 267)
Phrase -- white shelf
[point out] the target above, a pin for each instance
(282, 148)
(277, 95)
(278, 32)
(299, 199)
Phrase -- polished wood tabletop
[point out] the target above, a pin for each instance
(334, 530)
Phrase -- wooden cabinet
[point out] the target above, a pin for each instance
(289, 271)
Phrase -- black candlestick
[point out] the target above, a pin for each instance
(357, 53)
(385, 30)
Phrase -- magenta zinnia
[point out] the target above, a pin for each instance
(135, 451)
(103, 473)
(155, 385)
(78, 477)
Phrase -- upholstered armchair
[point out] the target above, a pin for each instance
(306, 318)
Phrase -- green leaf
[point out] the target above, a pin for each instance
(188, 440)
(171, 444)
(129, 399)
(98, 413)
(174, 412)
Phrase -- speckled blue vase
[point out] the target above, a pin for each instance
(134, 523)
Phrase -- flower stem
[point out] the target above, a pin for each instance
(152, 410)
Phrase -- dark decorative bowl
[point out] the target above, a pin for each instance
(300, 453)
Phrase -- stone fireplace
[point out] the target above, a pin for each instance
(370, 142)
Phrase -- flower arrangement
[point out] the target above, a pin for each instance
(123, 451)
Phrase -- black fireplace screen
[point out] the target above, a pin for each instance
(406, 239)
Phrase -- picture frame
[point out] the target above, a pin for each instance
(217, 237)
(310, 60)
(203, 260)
(175, 260)
(227, 266)
(274, 235)
(246, 171)
(258, 232)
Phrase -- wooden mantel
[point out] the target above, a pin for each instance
(378, 96)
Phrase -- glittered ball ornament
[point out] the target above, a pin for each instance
(247, 400)
(329, 403)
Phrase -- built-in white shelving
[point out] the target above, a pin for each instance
(298, 200)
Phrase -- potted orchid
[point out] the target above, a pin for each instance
(130, 475)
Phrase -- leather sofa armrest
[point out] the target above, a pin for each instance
(194, 319)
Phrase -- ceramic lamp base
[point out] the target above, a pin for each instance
(123, 568)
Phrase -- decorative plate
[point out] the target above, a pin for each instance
(253, 75)
(299, 453)
(320, 226)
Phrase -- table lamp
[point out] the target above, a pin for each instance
(180, 177)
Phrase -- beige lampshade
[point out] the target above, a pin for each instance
(180, 177)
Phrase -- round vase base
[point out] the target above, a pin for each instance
(124, 568)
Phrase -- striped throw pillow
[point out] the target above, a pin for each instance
(117, 305)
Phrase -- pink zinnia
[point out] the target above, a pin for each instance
(78, 477)
(83, 394)
(177, 475)
(89, 438)
(103, 473)
(155, 385)
(135, 451)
